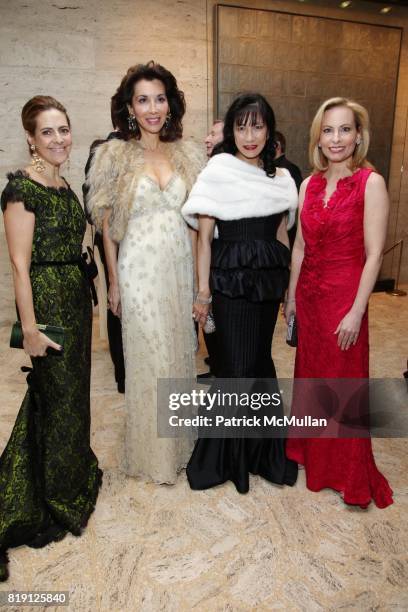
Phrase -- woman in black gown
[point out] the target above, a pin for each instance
(49, 475)
(243, 199)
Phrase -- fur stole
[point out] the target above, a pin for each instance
(116, 169)
(229, 188)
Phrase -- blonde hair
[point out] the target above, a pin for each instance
(317, 159)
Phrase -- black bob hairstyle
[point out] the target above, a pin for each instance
(249, 107)
(124, 94)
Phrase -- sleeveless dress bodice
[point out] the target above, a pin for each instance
(330, 275)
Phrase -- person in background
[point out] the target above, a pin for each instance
(281, 161)
(335, 262)
(113, 322)
(49, 475)
(214, 137)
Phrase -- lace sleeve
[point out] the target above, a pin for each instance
(15, 191)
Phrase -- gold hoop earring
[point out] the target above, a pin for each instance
(36, 161)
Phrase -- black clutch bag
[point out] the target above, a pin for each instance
(291, 334)
(56, 334)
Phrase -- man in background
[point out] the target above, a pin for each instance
(113, 322)
(281, 161)
(214, 137)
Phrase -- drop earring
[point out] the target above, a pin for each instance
(132, 122)
(36, 160)
(167, 123)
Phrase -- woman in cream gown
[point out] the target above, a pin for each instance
(136, 190)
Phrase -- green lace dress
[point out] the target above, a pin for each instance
(49, 476)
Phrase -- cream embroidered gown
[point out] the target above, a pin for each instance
(156, 285)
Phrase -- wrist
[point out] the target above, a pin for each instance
(203, 298)
(358, 311)
(29, 331)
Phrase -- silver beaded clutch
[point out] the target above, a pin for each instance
(209, 326)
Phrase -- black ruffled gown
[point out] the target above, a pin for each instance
(249, 275)
(49, 475)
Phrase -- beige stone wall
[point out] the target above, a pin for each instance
(79, 55)
(80, 52)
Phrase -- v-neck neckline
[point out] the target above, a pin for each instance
(157, 184)
(326, 202)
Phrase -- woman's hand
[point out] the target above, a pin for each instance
(114, 300)
(348, 330)
(289, 308)
(35, 343)
(200, 313)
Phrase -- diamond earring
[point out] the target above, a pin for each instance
(132, 123)
(167, 123)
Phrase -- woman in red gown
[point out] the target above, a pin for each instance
(335, 262)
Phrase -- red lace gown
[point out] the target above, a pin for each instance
(328, 282)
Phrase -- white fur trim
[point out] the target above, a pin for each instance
(229, 189)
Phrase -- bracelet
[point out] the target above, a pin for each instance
(204, 301)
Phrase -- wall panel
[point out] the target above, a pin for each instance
(297, 62)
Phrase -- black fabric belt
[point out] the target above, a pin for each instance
(81, 263)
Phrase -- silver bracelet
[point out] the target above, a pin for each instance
(205, 301)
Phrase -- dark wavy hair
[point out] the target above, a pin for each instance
(248, 107)
(124, 94)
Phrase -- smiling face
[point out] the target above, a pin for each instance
(339, 135)
(149, 105)
(52, 137)
(250, 136)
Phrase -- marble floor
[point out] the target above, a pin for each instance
(150, 548)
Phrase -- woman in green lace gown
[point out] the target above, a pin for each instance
(49, 476)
